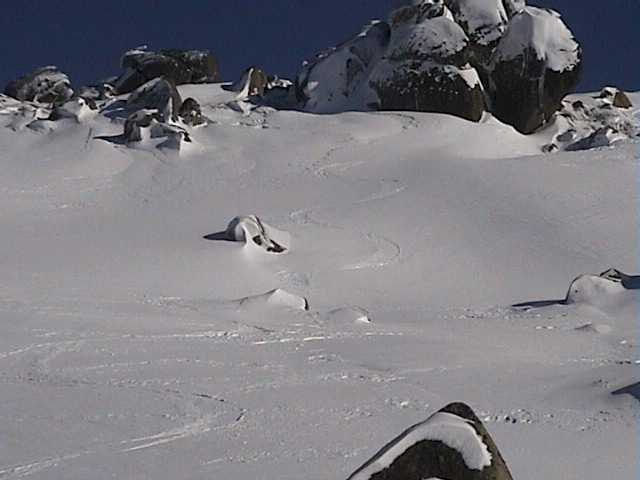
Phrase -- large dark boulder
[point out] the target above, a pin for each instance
(46, 85)
(179, 66)
(535, 65)
(158, 94)
(453, 444)
(431, 88)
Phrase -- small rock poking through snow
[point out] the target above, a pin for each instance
(252, 231)
(452, 443)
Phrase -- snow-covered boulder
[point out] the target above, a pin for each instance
(461, 57)
(191, 113)
(433, 38)
(77, 109)
(46, 85)
(484, 21)
(253, 82)
(252, 231)
(158, 94)
(337, 79)
(149, 125)
(534, 66)
(452, 444)
(179, 66)
(611, 291)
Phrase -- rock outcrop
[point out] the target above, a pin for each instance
(461, 57)
(452, 444)
(151, 125)
(535, 65)
(177, 66)
(47, 85)
(587, 123)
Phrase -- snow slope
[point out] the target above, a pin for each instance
(132, 347)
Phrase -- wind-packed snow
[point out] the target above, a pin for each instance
(542, 31)
(452, 430)
(132, 347)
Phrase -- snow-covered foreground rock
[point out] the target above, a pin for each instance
(132, 347)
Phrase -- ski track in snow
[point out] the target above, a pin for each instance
(387, 251)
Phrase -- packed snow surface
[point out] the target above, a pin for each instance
(452, 430)
(132, 347)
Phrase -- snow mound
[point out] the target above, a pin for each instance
(277, 298)
(610, 291)
(348, 316)
(543, 32)
(252, 231)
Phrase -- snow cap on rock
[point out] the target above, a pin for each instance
(451, 444)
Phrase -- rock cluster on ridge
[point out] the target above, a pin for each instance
(46, 85)
(461, 57)
(178, 66)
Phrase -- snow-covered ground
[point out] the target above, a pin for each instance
(132, 347)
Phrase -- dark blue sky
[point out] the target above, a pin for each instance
(86, 38)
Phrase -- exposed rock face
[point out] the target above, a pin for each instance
(452, 444)
(432, 88)
(46, 85)
(178, 66)
(461, 57)
(159, 94)
(535, 65)
(191, 113)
